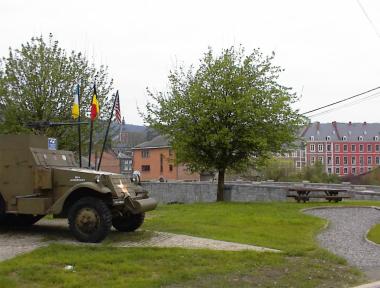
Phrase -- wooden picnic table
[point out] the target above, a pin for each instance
(305, 193)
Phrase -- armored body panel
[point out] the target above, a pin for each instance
(35, 181)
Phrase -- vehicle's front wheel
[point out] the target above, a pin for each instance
(128, 222)
(90, 219)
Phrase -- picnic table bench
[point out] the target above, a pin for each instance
(305, 193)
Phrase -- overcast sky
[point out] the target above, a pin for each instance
(329, 49)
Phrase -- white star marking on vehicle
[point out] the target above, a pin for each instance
(123, 188)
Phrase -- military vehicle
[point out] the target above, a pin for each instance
(36, 181)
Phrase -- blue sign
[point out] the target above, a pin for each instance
(52, 144)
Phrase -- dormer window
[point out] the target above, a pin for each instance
(328, 138)
(311, 138)
(360, 138)
(344, 138)
(376, 138)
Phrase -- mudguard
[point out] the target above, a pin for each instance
(57, 207)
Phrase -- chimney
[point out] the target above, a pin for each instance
(123, 121)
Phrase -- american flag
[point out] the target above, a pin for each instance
(117, 108)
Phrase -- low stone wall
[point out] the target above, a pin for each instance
(190, 192)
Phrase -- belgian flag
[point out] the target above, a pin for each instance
(94, 106)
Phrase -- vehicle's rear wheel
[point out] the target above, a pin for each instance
(90, 219)
(128, 222)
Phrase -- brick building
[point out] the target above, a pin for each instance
(155, 160)
(343, 148)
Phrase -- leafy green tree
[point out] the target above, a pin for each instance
(228, 111)
(37, 83)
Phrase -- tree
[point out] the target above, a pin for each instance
(37, 83)
(229, 111)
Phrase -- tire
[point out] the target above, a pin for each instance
(90, 219)
(128, 222)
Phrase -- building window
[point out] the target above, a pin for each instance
(298, 164)
(171, 167)
(126, 165)
(353, 170)
(320, 147)
(345, 160)
(337, 170)
(376, 138)
(369, 169)
(329, 160)
(329, 170)
(337, 147)
(312, 148)
(311, 138)
(145, 153)
(337, 160)
(369, 160)
(361, 148)
(369, 148)
(145, 168)
(328, 147)
(377, 160)
(361, 170)
(361, 160)
(345, 148)
(161, 163)
(353, 160)
(320, 159)
(170, 151)
(328, 138)
(353, 148)
(360, 138)
(344, 138)
(345, 170)
(377, 147)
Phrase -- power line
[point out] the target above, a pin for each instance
(346, 105)
(343, 100)
(369, 19)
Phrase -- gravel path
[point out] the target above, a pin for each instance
(17, 241)
(345, 236)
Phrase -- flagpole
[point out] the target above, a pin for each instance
(79, 135)
(108, 128)
(89, 153)
(92, 117)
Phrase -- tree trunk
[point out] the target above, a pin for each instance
(220, 191)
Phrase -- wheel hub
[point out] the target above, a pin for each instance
(87, 220)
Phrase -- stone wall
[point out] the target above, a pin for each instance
(189, 192)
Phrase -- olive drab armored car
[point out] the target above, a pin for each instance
(36, 181)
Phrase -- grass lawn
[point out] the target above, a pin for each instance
(274, 225)
(374, 234)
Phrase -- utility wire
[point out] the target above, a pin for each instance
(345, 105)
(369, 19)
(343, 100)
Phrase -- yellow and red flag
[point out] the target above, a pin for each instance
(94, 106)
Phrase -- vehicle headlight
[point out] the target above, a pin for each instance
(97, 178)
